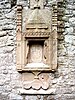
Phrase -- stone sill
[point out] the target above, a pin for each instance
(31, 91)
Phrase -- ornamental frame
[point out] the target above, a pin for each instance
(23, 38)
(37, 32)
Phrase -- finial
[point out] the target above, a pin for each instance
(37, 6)
(37, 1)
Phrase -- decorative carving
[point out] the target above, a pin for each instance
(37, 34)
(36, 45)
(19, 17)
(40, 81)
(37, 29)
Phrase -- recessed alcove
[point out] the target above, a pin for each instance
(37, 45)
(35, 54)
(36, 50)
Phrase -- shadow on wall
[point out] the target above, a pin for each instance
(13, 3)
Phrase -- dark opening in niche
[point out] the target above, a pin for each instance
(36, 51)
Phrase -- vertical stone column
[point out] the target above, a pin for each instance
(54, 37)
(19, 18)
(19, 36)
(54, 17)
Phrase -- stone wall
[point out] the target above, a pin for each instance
(63, 83)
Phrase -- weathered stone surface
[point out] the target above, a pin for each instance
(15, 97)
(63, 80)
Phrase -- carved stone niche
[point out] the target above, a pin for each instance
(36, 50)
